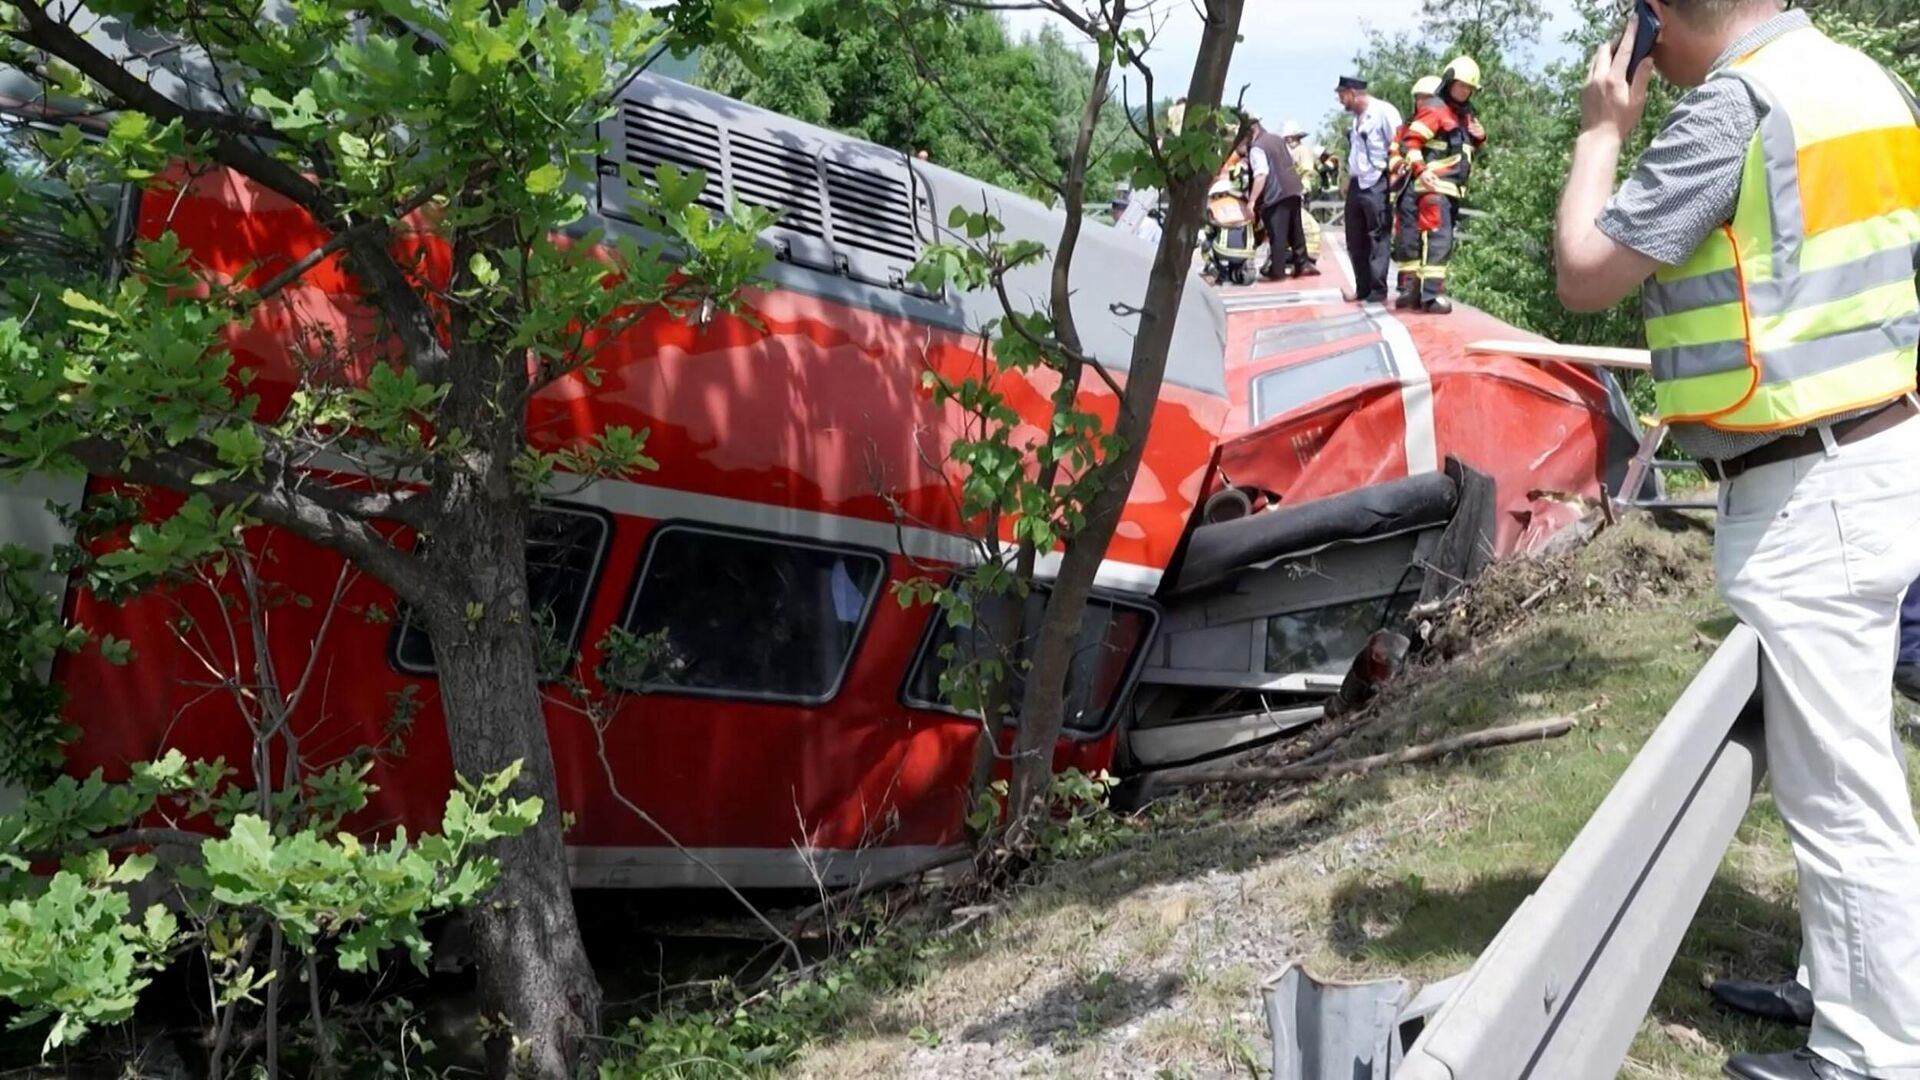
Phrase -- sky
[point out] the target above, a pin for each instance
(1292, 50)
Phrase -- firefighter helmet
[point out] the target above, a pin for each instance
(1462, 70)
(1426, 86)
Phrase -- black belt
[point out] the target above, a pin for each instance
(1809, 441)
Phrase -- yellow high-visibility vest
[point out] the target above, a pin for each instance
(1803, 306)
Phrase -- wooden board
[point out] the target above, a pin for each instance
(1591, 355)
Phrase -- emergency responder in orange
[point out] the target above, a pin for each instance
(1438, 148)
(1405, 266)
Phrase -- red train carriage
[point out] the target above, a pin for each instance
(795, 727)
(1349, 462)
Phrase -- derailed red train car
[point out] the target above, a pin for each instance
(800, 730)
(1314, 466)
(1371, 461)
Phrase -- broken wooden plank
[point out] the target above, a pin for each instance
(1590, 355)
(1533, 731)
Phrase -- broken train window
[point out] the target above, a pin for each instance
(1286, 389)
(1324, 640)
(1105, 653)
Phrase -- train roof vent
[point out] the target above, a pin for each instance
(871, 211)
(844, 207)
(784, 178)
(653, 136)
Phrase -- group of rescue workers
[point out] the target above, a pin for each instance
(1404, 186)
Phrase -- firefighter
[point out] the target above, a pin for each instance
(1438, 150)
(1406, 247)
(1425, 91)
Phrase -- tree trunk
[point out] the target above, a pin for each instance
(534, 975)
(1003, 634)
(1042, 709)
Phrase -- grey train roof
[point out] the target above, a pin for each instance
(855, 216)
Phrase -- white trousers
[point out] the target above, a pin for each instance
(1815, 554)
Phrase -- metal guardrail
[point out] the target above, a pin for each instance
(1560, 992)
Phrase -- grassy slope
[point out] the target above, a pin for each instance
(1147, 962)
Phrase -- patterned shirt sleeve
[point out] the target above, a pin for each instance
(1686, 184)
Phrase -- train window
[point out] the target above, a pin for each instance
(55, 234)
(1306, 335)
(1110, 642)
(736, 615)
(565, 546)
(1290, 387)
(1324, 640)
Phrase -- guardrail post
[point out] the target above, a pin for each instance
(1326, 1028)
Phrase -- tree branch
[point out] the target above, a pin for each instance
(1533, 731)
(1073, 355)
(340, 239)
(1073, 192)
(155, 839)
(389, 286)
(225, 129)
(336, 519)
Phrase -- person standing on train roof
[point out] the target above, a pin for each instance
(1438, 146)
(1404, 202)
(1275, 198)
(1369, 141)
(1773, 228)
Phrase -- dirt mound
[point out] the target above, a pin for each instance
(1641, 559)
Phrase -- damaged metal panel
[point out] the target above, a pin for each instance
(1223, 550)
(1283, 600)
(1294, 625)
(1192, 740)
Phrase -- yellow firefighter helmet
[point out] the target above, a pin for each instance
(1425, 86)
(1462, 70)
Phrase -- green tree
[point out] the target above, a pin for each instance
(1066, 490)
(475, 123)
(975, 100)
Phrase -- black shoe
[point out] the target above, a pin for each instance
(1439, 305)
(1785, 1002)
(1406, 301)
(1906, 679)
(1307, 270)
(1801, 1064)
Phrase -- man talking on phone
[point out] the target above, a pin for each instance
(1774, 229)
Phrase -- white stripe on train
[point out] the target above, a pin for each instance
(1416, 395)
(915, 542)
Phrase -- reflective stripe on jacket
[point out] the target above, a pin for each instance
(1803, 305)
(1438, 144)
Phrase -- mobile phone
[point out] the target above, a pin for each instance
(1646, 33)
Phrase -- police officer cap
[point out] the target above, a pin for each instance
(1348, 82)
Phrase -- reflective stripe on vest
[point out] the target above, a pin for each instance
(1803, 305)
